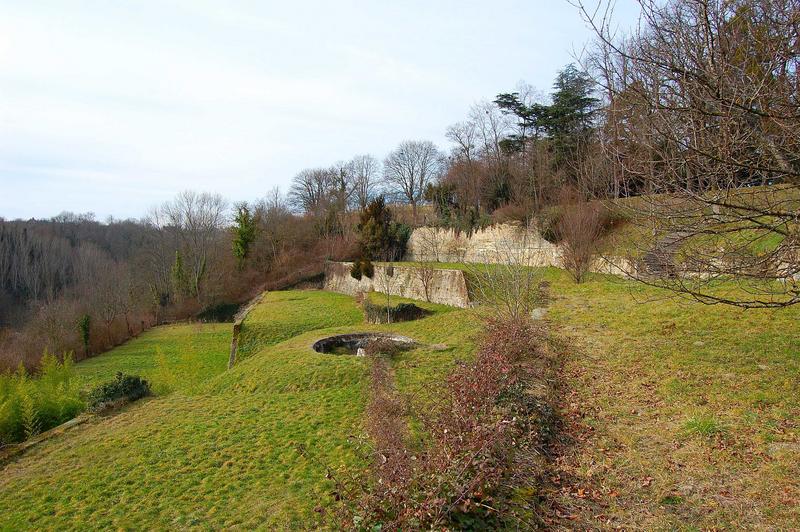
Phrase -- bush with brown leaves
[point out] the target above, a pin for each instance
(461, 475)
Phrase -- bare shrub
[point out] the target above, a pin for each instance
(510, 288)
(425, 273)
(511, 213)
(391, 314)
(462, 476)
(386, 347)
(578, 229)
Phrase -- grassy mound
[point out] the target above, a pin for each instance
(226, 456)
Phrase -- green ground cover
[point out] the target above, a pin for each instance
(702, 400)
(171, 357)
(225, 456)
(292, 312)
(693, 404)
(680, 416)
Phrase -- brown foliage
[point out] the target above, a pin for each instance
(463, 473)
(702, 108)
(579, 227)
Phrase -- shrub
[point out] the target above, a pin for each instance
(222, 312)
(382, 314)
(547, 221)
(381, 238)
(511, 212)
(123, 389)
(386, 347)
(579, 229)
(29, 405)
(362, 268)
(463, 473)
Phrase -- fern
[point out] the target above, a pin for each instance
(7, 420)
(30, 420)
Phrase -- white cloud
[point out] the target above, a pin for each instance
(151, 98)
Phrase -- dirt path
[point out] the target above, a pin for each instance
(659, 261)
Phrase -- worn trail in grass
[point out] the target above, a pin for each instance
(225, 456)
(680, 415)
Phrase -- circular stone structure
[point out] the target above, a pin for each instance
(355, 343)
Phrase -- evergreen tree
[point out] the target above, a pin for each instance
(84, 326)
(531, 121)
(570, 120)
(244, 233)
(381, 237)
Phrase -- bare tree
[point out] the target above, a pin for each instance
(429, 242)
(425, 273)
(312, 190)
(410, 168)
(387, 280)
(365, 173)
(701, 116)
(198, 219)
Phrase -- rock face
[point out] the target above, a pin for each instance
(447, 287)
(496, 244)
(499, 244)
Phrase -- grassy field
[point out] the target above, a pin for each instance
(225, 456)
(689, 412)
(171, 357)
(681, 415)
(675, 415)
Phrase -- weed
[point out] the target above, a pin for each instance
(703, 425)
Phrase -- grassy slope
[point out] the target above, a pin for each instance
(170, 357)
(690, 412)
(685, 416)
(226, 455)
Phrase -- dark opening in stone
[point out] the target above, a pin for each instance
(356, 343)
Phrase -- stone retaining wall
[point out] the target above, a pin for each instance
(447, 287)
(496, 244)
(499, 244)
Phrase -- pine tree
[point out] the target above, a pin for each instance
(381, 237)
(244, 233)
(84, 327)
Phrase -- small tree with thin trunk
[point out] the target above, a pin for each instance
(425, 273)
(387, 280)
(510, 289)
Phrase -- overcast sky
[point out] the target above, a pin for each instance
(114, 106)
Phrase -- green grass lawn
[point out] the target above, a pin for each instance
(287, 314)
(695, 405)
(690, 411)
(170, 357)
(680, 416)
(225, 456)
